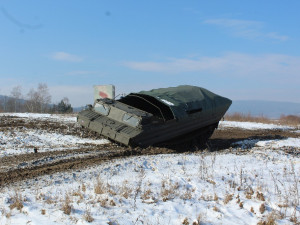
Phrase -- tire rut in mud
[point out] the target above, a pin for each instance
(79, 161)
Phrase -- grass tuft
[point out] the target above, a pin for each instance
(88, 216)
(16, 201)
(262, 208)
(228, 198)
(67, 207)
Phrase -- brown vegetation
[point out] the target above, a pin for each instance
(228, 198)
(270, 220)
(262, 208)
(291, 120)
(67, 207)
(88, 216)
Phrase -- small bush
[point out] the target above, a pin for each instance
(112, 203)
(16, 201)
(262, 208)
(260, 196)
(270, 220)
(216, 198)
(146, 194)
(215, 208)
(185, 221)
(241, 205)
(228, 198)
(88, 216)
(125, 190)
(99, 187)
(67, 207)
(294, 220)
(83, 187)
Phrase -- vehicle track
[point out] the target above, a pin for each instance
(19, 167)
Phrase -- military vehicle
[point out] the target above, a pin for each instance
(158, 116)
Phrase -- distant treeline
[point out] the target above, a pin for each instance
(36, 101)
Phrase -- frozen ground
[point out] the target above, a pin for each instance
(252, 126)
(21, 142)
(227, 187)
(51, 117)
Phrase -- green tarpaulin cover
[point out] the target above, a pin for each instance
(185, 99)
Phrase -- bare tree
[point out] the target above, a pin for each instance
(16, 95)
(5, 103)
(38, 100)
(44, 97)
(1, 104)
(32, 101)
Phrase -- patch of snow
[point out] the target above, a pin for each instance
(20, 142)
(252, 125)
(161, 189)
(289, 142)
(43, 116)
(245, 144)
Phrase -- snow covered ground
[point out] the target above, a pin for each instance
(252, 126)
(228, 187)
(21, 142)
(51, 117)
(163, 189)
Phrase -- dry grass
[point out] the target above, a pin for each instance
(262, 208)
(294, 220)
(99, 187)
(16, 201)
(67, 207)
(168, 189)
(125, 190)
(270, 220)
(185, 221)
(103, 202)
(83, 187)
(88, 216)
(5, 213)
(247, 118)
(216, 209)
(43, 211)
(291, 120)
(241, 205)
(260, 196)
(147, 194)
(216, 198)
(187, 195)
(228, 198)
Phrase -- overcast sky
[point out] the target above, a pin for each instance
(238, 49)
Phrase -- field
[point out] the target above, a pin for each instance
(54, 172)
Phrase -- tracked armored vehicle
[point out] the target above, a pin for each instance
(165, 115)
